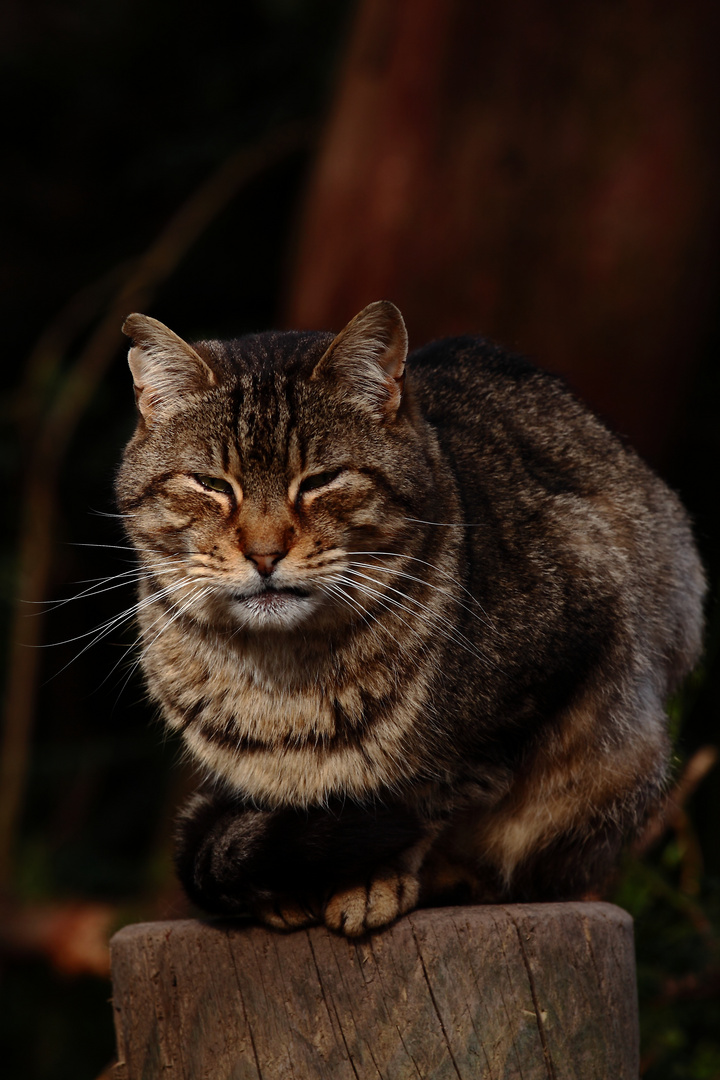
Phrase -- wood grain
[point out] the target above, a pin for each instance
(499, 992)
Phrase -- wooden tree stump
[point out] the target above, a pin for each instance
(527, 990)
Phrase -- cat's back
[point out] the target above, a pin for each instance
(489, 402)
(511, 428)
(549, 490)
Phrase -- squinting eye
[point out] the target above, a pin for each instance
(214, 483)
(317, 480)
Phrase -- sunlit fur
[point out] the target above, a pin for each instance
(445, 590)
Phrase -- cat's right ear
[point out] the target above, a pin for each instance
(165, 369)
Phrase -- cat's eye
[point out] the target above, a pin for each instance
(214, 483)
(318, 480)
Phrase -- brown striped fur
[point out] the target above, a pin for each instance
(417, 621)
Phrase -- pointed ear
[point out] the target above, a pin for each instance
(165, 369)
(367, 359)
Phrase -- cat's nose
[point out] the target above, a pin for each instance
(266, 561)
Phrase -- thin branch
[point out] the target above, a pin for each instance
(671, 813)
(44, 364)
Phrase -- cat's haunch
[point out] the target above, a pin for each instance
(416, 617)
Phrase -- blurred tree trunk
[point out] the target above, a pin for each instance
(543, 174)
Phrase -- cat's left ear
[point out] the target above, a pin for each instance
(367, 359)
(165, 369)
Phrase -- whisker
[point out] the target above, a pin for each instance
(447, 524)
(107, 514)
(117, 664)
(431, 618)
(134, 549)
(201, 592)
(144, 644)
(123, 616)
(374, 626)
(432, 566)
(129, 576)
(114, 547)
(116, 621)
(335, 589)
(428, 584)
(384, 602)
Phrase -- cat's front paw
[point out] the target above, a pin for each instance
(285, 914)
(378, 902)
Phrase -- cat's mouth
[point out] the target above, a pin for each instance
(281, 606)
(270, 596)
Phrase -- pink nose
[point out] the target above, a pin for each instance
(265, 561)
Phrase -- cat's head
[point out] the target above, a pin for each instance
(269, 474)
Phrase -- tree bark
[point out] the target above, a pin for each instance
(545, 175)
(533, 991)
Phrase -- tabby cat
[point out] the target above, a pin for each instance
(416, 619)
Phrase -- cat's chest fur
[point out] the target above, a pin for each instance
(288, 725)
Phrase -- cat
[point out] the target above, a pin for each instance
(415, 617)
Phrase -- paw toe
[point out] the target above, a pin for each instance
(285, 915)
(345, 911)
(389, 897)
(355, 910)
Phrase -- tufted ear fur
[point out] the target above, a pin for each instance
(367, 359)
(165, 368)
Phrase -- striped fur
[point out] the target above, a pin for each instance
(439, 593)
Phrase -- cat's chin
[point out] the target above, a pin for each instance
(272, 609)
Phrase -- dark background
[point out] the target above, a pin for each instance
(545, 174)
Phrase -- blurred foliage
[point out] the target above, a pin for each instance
(60, 1027)
(114, 113)
(678, 948)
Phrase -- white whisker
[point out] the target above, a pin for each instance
(102, 631)
(447, 524)
(107, 514)
(129, 577)
(432, 566)
(335, 589)
(387, 603)
(201, 592)
(427, 615)
(427, 584)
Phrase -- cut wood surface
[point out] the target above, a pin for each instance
(527, 991)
